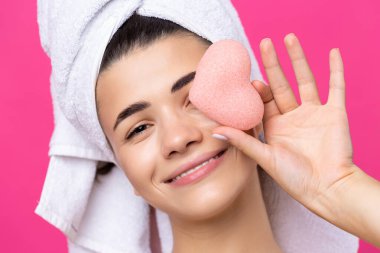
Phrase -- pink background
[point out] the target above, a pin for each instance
(26, 110)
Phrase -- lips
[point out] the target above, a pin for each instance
(199, 160)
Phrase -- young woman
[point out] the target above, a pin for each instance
(155, 132)
(153, 129)
(216, 196)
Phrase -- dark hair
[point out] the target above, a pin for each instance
(137, 31)
(141, 31)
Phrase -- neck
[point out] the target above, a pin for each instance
(242, 227)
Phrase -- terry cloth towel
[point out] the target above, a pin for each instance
(106, 216)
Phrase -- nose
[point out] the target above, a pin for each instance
(178, 135)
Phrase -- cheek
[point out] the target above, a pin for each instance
(246, 161)
(139, 167)
(201, 119)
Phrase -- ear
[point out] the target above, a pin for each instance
(136, 192)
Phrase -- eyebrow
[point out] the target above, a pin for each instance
(142, 105)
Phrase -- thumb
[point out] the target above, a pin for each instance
(249, 145)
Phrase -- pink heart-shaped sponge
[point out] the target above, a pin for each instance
(222, 89)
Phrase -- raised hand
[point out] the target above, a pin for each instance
(308, 150)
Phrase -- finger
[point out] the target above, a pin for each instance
(305, 79)
(337, 84)
(264, 91)
(270, 106)
(252, 147)
(282, 92)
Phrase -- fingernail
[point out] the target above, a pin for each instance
(291, 35)
(220, 137)
(290, 39)
(265, 43)
(261, 137)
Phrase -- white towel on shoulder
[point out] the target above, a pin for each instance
(106, 216)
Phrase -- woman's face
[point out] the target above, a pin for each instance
(152, 143)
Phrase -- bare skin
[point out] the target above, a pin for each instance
(236, 229)
(223, 212)
(309, 150)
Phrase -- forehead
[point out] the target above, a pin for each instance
(160, 62)
(147, 73)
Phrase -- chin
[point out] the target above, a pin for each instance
(211, 198)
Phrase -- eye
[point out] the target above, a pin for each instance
(136, 131)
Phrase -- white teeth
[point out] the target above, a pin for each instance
(193, 169)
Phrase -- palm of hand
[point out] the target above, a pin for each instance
(310, 148)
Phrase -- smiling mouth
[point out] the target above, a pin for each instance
(195, 168)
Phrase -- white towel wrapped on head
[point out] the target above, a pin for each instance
(107, 216)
